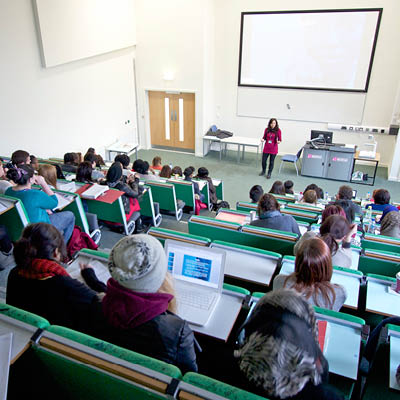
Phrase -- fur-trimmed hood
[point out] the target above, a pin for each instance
(280, 354)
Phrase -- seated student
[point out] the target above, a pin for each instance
(40, 283)
(156, 165)
(49, 174)
(84, 173)
(345, 195)
(278, 188)
(255, 193)
(20, 157)
(318, 190)
(34, 162)
(38, 203)
(177, 172)
(140, 305)
(70, 162)
(336, 232)
(131, 189)
(289, 187)
(381, 199)
(60, 174)
(125, 161)
(309, 197)
(4, 183)
(142, 168)
(390, 224)
(202, 173)
(99, 159)
(332, 209)
(279, 355)
(270, 216)
(312, 276)
(166, 172)
(91, 158)
(188, 174)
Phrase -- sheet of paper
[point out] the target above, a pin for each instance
(100, 268)
(63, 201)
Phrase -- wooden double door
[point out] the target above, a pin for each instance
(172, 120)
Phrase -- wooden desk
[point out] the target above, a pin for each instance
(372, 160)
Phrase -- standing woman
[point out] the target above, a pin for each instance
(272, 137)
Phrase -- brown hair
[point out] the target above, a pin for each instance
(168, 287)
(332, 209)
(49, 173)
(310, 197)
(266, 203)
(278, 188)
(381, 196)
(334, 228)
(156, 161)
(345, 192)
(313, 271)
(166, 171)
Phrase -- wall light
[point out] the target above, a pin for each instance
(168, 76)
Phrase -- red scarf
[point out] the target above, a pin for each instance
(41, 269)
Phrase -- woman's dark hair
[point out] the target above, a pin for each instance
(90, 157)
(19, 157)
(255, 193)
(318, 190)
(84, 172)
(38, 241)
(348, 209)
(123, 159)
(91, 150)
(188, 171)
(334, 228)
(202, 172)
(313, 271)
(70, 158)
(166, 171)
(266, 203)
(276, 126)
(277, 188)
(60, 174)
(156, 161)
(177, 171)
(288, 187)
(332, 209)
(20, 175)
(33, 159)
(382, 196)
(141, 166)
(345, 192)
(114, 173)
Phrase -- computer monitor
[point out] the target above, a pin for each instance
(327, 136)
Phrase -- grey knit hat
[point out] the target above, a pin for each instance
(138, 263)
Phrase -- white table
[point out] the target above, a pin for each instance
(379, 300)
(240, 141)
(121, 148)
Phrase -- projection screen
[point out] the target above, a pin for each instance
(317, 49)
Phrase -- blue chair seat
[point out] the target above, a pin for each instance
(291, 158)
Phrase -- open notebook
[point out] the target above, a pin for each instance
(94, 191)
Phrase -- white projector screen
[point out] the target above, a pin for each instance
(317, 50)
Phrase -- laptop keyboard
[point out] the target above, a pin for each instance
(196, 299)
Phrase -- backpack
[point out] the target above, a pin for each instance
(221, 204)
(79, 240)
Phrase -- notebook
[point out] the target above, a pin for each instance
(94, 191)
(199, 276)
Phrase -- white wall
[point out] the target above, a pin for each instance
(66, 108)
(383, 84)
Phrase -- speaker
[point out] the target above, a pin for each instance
(393, 129)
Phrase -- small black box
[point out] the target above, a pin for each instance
(393, 129)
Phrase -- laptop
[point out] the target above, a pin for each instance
(198, 272)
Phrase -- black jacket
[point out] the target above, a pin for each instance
(132, 190)
(166, 337)
(62, 300)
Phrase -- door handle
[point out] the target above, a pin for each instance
(175, 115)
(172, 115)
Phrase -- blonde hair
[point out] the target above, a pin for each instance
(49, 173)
(168, 287)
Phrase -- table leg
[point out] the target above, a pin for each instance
(238, 154)
(376, 168)
(243, 152)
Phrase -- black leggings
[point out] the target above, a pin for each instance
(271, 162)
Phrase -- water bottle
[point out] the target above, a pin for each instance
(368, 220)
(170, 165)
(326, 196)
(369, 196)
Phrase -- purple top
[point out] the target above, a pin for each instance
(271, 141)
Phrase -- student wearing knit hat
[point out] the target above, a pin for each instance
(139, 306)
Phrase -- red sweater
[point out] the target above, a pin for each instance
(271, 138)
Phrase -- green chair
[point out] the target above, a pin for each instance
(163, 234)
(164, 194)
(301, 215)
(184, 191)
(196, 386)
(304, 207)
(284, 198)
(380, 242)
(246, 206)
(219, 187)
(14, 217)
(379, 262)
(147, 208)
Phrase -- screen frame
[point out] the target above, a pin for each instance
(365, 90)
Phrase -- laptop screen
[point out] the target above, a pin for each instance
(195, 264)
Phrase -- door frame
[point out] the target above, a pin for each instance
(147, 114)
